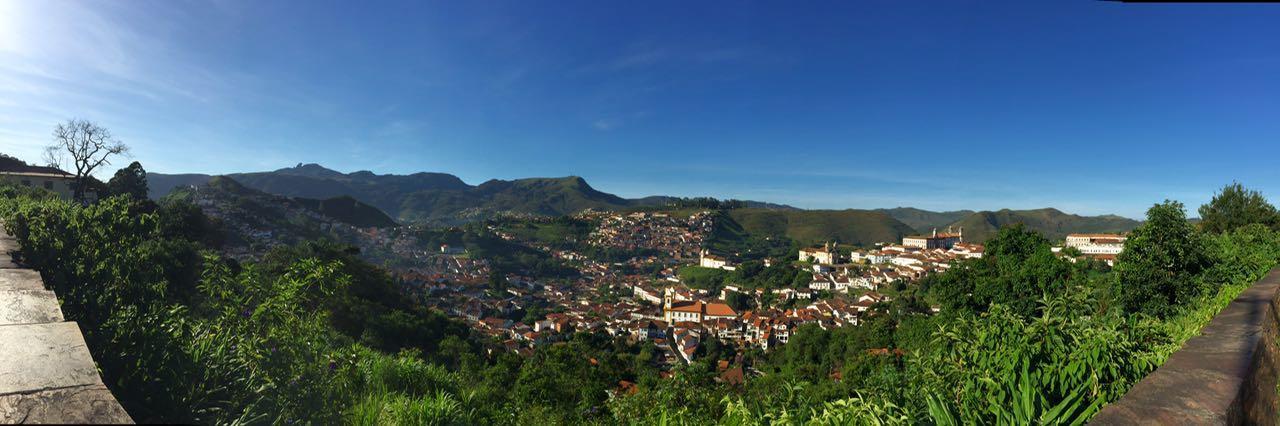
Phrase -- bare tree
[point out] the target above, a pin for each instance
(87, 145)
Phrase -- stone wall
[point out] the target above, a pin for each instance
(46, 372)
(1226, 375)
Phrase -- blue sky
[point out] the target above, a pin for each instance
(1091, 107)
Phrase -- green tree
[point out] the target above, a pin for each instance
(738, 301)
(131, 181)
(1018, 266)
(1158, 267)
(1235, 206)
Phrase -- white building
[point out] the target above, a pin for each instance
(1094, 244)
(935, 241)
(708, 260)
(825, 253)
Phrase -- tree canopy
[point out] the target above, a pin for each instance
(1158, 267)
(1235, 206)
(131, 181)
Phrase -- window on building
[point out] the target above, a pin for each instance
(48, 184)
(26, 182)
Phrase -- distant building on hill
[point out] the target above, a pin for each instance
(825, 253)
(50, 178)
(709, 260)
(943, 241)
(1097, 244)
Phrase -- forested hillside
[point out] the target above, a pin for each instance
(923, 220)
(311, 333)
(438, 198)
(859, 227)
(1050, 222)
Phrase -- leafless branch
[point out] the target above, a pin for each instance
(87, 145)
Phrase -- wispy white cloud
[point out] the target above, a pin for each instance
(607, 124)
(401, 128)
(638, 59)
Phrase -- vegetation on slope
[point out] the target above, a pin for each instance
(309, 334)
(994, 354)
(858, 227)
(348, 210)
(925, 220)
(1050, 222)
(312, 334)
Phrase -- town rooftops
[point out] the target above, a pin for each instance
(713, 308)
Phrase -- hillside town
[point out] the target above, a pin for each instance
(845, 288)
(643, 298)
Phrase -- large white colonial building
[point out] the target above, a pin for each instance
(936, 241)
(824, 254)
(1094, 244)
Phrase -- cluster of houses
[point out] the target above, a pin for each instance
(681, 237)
(676, 319)
(869, 269)
(691, 317)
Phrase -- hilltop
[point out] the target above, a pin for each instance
(1051, 222)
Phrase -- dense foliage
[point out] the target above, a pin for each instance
(312, 333)
(1235, 206)
(1023, 337)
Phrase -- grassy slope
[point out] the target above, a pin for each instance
(1054, 224)
(925, 220)
(860, 227)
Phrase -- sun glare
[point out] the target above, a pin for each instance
(10, 25)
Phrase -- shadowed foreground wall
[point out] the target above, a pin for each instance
(47, 374)
(1226, 375)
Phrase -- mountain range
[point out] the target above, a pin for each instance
(428, 197)
(441, 198)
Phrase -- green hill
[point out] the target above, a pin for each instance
(348, 210)
(1053, 223)
(861, 227)
(924, 220)
(245, 211)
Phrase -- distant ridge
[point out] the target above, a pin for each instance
(289, 219)
(442, 198)
(428, 197)
(1050, 222)
(860, 227)
(924, 220)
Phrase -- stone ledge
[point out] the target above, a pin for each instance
(1226, 375)
(44, 356)
(20, 279)
(29, 307)
(91, 404)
